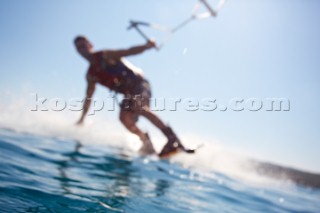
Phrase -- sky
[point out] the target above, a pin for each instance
(253, 49)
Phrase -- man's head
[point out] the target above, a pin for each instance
(83, 45)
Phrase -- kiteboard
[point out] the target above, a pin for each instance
(170, 150)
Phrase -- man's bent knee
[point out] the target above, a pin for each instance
(128, 118)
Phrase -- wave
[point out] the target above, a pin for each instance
(213, 157)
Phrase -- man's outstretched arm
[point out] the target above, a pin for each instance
(131, 51)
(86, 105)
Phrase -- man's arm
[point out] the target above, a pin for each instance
(86, 105)
(131, 51)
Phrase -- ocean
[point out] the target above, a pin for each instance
(53, 174)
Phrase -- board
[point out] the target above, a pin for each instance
(180, 149)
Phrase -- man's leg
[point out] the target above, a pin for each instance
(152, 117)
(141, 105)
(166, 130)
(129, 120)
(142, 102)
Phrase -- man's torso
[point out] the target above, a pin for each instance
(116, 74)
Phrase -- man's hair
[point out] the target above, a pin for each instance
(80, 38)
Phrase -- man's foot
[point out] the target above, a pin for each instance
(170, 148)
(147, 147)
(173, 145)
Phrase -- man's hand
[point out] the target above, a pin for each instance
(151, 44)
(80, 122)
(90, 90)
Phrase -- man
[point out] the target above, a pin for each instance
(109, 69)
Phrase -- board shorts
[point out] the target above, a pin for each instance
(138, 99)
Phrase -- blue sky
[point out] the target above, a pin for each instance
(254, 49)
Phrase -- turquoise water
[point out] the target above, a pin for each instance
(47, 174)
